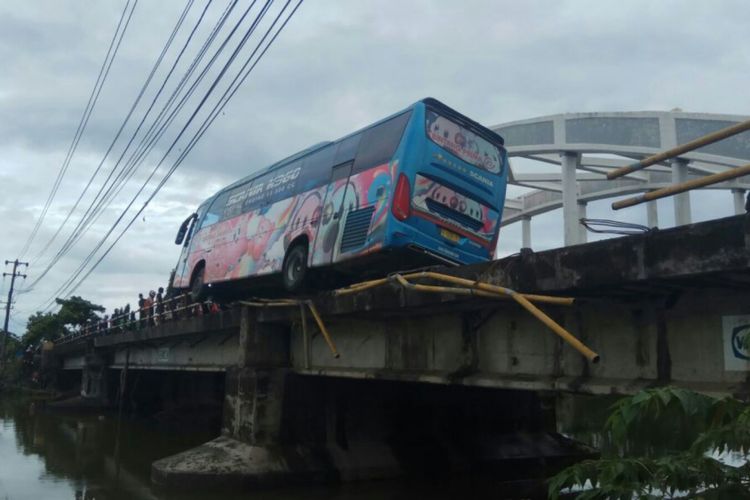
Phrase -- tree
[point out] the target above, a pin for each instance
(74, 313)
(665, 443)
(77, 311)
(42, 326)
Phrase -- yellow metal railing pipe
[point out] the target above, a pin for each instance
(292, 302)
(682, 187)
(365, 285)
(559, 330)
(323, 329)
(683, 148)
(563, 301)
(523, 302)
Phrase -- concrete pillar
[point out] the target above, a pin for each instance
(250, 450)
(681, 201)
(255, 388)
(583, 236)
(738, 196)
(570, 198)
(94, 380)
(526, 232)
(652, 214)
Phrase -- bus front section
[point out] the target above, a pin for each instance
(450, 188)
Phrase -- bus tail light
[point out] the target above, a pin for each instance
(402, 199)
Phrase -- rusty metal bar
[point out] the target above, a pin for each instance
(267, 304)
(683, 148)
(481, 285)
(521, 300)
(358, 287)
(682, 187)
(365, 285)
(323, 329)
(298, 303)
(559, 330)
(305, 336)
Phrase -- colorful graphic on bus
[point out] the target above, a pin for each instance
(425, 181)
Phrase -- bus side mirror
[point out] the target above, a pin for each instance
(181, 234)
(183, 229)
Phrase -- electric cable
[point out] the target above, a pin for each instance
(194, 114)
(122, 126)
(150, 138)
(68, 243)
(96, 208)
(93, 98)
(228, 94)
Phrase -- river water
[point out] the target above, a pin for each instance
(52, 456)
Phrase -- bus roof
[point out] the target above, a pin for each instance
(429, 101)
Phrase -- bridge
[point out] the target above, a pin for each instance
(664, 307)
(577, 151)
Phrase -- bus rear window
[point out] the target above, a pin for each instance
(463, 143)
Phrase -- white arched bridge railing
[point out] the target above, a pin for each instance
(582, 145)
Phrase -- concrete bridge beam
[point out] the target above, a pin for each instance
(94, 387)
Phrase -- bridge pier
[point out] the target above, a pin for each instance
(250, 450)
(94, 384)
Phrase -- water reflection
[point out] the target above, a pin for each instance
(53, 456)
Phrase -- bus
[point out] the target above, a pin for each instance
(423, 186)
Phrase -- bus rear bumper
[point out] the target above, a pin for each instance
(405, 237)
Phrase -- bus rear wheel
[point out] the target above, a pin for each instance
(294, 270)
(197, 287)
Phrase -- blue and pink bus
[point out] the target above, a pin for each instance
(424, 185)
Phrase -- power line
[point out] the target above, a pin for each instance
(194, 85)
(93, 98)
(137, 157)
(124, 123)
(66, 246)
(146, 144)
(231, 90)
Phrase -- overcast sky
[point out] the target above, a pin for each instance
(338, 66)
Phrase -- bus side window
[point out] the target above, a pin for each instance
(316, 169)
(341, 171)
(236, 200)
(280, 184)
(347, 149)
(379, 143)
(217, 209)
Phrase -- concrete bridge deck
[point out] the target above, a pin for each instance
(659, 308)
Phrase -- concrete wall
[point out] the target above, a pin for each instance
(651, 340)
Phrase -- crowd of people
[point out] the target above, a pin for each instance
(153, 309)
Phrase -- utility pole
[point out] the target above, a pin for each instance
(13, 275)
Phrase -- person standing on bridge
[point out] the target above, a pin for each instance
(141, 310)
(126, 317)
(115, 320)
(148, 307)
(159, 306)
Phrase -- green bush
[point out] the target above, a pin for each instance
(665, 444)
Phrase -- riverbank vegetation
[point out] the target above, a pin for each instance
(666, 443)
(22, 361)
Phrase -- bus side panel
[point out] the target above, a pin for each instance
(200, 245)
(304, 221)
(367, 195)
(255, 243)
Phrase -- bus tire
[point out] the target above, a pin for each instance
(294, 270)
(197, 286)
